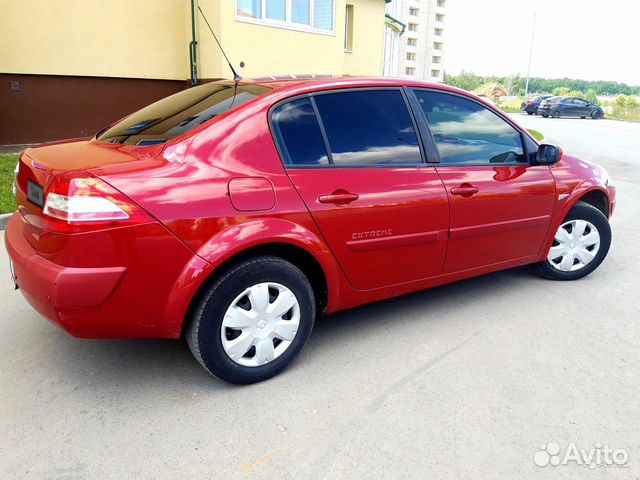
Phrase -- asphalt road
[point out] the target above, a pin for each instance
(463, 381)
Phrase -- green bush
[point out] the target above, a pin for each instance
(621, 100)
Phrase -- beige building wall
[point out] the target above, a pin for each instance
(150, 38)
(102, 38)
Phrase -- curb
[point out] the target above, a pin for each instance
(4, 219)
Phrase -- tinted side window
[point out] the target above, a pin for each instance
(468, 133)
(368, 127)
(180, 113)
(298, 133)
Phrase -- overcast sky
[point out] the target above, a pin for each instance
(586, 39)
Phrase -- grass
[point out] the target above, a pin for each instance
(7, 165)
(510, 106)
(622, 112)
(536, 134)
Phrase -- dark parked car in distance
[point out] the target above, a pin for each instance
(531, 106)
(557, 107)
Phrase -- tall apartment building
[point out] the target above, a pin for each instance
(416, 50)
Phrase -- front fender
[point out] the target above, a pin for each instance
(567, 203)
(235, 240)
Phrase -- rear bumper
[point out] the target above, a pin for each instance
(123, 283)
(52, 288)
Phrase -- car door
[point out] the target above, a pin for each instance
(356, 161)
(571, 107)
(500, 205)
(582, 109)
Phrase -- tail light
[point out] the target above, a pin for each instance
(78, 201)
(551, 105)
(529, 104)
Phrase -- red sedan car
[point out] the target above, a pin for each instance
(233, 213)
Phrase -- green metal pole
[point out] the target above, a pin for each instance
(193, 55)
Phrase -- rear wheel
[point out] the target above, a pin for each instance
(529, 112)
(545, 115)
(580, 245)
(556, 114)
(253, 320)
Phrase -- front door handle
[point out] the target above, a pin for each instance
(465, 190)
(339, 197)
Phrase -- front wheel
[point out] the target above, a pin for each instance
(529, 112)
(545, 115)
(556, 114)
(253, 320)
(580, 245)
(596, 115)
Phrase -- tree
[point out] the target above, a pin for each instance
(561, 91)
(591, 96)
(470, 81)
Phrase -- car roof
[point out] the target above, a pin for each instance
(322, 82)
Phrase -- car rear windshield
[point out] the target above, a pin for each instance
(179, 113)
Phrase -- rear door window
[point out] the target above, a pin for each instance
(298, 133)
(369, 127)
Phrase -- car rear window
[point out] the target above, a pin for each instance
(175, 115)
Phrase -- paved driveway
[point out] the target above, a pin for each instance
(463, 381)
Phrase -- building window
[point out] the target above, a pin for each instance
(276, 9)
(410, 71)
(438, 31)
(436, 59)
(441, 3)
(411, 56)
(412, 42)
(250, 8)
(439, 17)
(323, 14)
(413, 27)
(348, 28)
(310, 15)
(437, 45)
(435, 73)
(300, 12)
(414, 11)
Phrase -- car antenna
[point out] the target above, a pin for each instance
(236, 77)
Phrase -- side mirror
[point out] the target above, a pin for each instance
(548, 154)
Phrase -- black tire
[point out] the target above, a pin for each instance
(580, 211)
(556, 114)
(545, 115)
(583, 117)
(596, 115)
(203, 332)
(529, 112)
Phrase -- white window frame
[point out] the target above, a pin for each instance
(287, 24)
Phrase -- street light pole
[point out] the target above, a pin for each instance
(533, 31)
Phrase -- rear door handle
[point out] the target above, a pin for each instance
(465, 190)
(339, 197)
